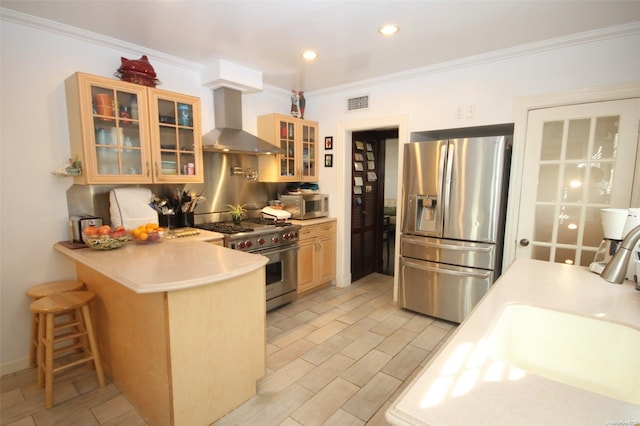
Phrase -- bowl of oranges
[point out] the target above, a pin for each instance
(104, 237)
(151, 233)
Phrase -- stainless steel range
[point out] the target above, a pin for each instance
(277, 241)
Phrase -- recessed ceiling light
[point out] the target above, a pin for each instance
(309, 55)
(388, 29)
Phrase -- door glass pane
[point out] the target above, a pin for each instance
(605, 144)
(568, 225)
(540, 253)
(572, 187)
(551, 140)
(600, 183)
(577, 138)
(543, 229)
(548, 182)
(565, 255)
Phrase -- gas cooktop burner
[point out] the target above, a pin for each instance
(225, 228)
(251, 225)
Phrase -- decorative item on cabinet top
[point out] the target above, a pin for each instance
(138, 71)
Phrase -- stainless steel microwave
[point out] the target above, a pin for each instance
(306, 205)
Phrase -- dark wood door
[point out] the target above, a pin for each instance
(367, 201)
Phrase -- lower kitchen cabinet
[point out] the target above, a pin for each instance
(316, 256)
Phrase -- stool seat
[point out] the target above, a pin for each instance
(43, 290)
(53, 287)
(61, 302)
(78, 330)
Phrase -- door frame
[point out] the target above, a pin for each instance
(343, 166)
(521, 108)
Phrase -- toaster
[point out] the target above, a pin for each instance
(77, 224)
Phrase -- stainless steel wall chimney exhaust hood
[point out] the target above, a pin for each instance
(228, 135)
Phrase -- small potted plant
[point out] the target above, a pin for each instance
(236, 212)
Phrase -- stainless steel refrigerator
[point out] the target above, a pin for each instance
(454, 195)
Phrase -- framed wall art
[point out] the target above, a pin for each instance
(328, 160)
(328, 142)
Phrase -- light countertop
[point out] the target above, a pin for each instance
(173, 264)
(316, 221)
(456, 387)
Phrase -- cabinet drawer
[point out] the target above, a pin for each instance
(307, 232)
(328, 228)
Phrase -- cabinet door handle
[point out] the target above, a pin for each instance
(148, 169)
(157, 170)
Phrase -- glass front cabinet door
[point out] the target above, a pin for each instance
(298, 139)
(118, 137)
(176, 138)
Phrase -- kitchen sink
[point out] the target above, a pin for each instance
(589, 353)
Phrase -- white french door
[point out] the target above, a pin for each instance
(578, 159)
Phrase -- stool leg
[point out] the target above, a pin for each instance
(94, 346)
(82, 329)
(34, 340)
(48, 363)
(40, 350)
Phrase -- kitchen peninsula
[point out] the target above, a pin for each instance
(180, 324)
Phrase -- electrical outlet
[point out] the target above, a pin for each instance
(470, 111)
(459, 112)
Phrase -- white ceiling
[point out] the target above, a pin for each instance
(269, 35)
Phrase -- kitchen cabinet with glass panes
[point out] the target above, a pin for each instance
(125, 133)
(299, 140)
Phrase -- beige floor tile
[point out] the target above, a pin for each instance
(326, 372)
(325, 403)
(356, 330)
(403, 364)
(368, 400)
(112, 409)
(389, 325)
(289, 422)
(397, 341)
(379, 419)
(383, 312)
(284, 377)
(362, 345)
(366, 367)
(326, 331)
(10, 398)
(355, 314)
(326, 349)
(418, 323)
(294, 321)
(326, 317)
(343, 418)
(27, 421)
(269, 409)
(78, 408)
(277, 360)
(429, 337)
(292, 335)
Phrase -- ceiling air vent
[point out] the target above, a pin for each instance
(360, 102)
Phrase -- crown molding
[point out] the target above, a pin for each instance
(94, 38)
(490, 57)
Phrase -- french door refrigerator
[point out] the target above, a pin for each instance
(454, 195)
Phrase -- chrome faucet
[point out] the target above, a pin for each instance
(616, 269)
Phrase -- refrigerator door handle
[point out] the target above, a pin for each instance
(422, 266)
(446, 189)
(486, 249)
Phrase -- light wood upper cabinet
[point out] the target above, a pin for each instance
(299, 139)
(125, 133)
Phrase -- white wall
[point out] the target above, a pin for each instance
(34, 134)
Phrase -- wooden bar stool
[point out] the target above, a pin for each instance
(80, 331)
(43, 290)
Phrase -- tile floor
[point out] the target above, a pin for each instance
(334, 357)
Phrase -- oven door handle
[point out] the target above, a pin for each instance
(268, 252)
